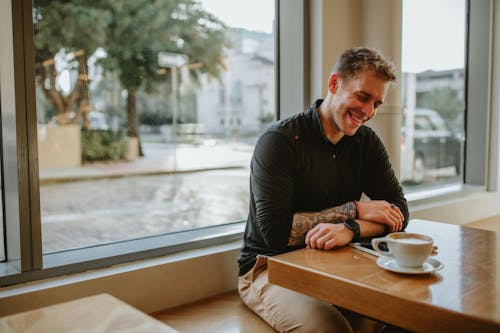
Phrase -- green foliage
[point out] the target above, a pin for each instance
(70, 25)
(131, 33)
(98, 145)
(140, 29)
(445, 100)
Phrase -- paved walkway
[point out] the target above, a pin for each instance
(99, 203)
(158, 159)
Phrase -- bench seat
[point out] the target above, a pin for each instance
(221, 313)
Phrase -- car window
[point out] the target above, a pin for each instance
(438, 124)
(422, 123)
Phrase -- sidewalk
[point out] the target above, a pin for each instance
(158, 159)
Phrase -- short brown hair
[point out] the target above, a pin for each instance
(355, 60)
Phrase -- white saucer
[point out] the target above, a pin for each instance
(429, 266)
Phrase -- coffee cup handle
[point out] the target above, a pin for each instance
(376, 242)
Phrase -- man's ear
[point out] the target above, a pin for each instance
(333, 83)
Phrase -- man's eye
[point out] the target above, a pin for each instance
(363, 98)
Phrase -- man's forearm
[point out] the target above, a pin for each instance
(303, 222)
(370, 229)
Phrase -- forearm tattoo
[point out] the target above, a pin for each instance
(303, 222)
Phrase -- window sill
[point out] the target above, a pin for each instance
(96, 257)
(457, 205)
(150, 285)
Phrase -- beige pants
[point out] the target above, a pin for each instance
(289, 311)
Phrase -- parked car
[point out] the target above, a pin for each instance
(430, 146)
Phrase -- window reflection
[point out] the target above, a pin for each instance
(146, 122)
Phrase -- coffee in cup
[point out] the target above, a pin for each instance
(408, 249)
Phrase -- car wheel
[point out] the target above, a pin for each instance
(418, 169)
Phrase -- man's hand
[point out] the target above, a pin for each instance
(380, 211)
(326, 236)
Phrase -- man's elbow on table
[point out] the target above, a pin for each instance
(275, 240)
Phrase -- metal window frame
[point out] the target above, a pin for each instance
(19, 145)
(477, 91)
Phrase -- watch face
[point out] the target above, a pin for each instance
(354, 226)
(351, 224)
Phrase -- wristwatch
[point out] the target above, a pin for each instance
(354, 226)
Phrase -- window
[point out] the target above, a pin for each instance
(433, 65)
(103, 93)
(119, 100)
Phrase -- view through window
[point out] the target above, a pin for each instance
(148, 113)
(433, 58)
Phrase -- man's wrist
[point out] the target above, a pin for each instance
(354, 227)
(356, 203)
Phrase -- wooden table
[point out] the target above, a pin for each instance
(464, 296)
(100, 313)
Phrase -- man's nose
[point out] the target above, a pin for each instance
(369, 110)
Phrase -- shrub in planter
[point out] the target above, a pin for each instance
(102, 145)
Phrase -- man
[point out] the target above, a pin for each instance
(307, 173)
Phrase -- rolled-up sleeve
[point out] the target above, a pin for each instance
(272, 188)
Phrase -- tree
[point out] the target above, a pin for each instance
(138, 32)
(132, 33)
(74, 27)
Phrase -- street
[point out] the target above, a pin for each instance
(80, 214)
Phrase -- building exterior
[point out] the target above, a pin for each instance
(243, 101)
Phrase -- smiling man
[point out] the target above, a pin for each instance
(307, 174)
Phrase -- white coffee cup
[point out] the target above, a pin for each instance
(409, 250)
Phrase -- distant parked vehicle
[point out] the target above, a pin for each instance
(429, 146)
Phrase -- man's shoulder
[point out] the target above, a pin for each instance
(366, 134)
(294, 123)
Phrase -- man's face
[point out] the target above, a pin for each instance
(355, 101)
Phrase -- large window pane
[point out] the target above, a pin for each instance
(434, 33)
(148, 113)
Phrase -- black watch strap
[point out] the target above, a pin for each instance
(354, 226)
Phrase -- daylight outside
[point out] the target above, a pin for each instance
(433, 91)
(147, 122)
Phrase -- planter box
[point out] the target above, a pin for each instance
(59, 146)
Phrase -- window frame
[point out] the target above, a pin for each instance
(477, 91)
(30, 264)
